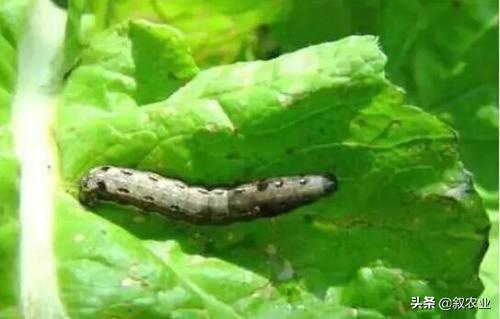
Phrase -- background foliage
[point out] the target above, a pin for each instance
(436, 51)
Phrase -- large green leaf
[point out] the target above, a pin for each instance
(325, 108)
(104, 271)
(406, 221)
(445, 54)
(438, 52)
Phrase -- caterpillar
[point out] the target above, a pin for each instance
(175, 199)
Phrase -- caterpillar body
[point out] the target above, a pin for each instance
(175, 199)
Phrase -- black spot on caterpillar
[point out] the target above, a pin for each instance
(173, 198)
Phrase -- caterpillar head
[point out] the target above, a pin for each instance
(91, 184)
(330, 183)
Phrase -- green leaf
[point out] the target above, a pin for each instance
(13, 16)
(217, 31)
(104, 271)
(132, 64)
(409, 219)
(437, 51)
(489, 269)
(445, 54)
(162, 61)
(387, 290)
(325, 108)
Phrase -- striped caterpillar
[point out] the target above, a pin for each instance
(173, 198)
